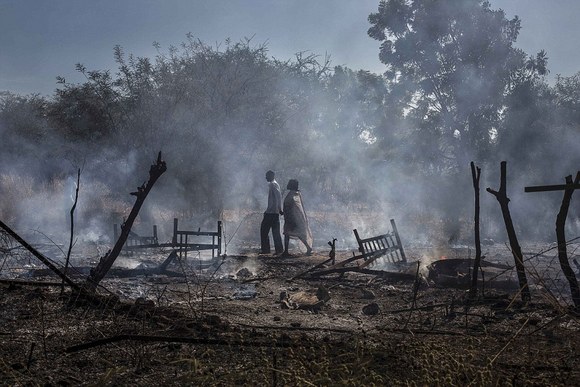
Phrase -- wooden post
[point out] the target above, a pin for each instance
(475, 175)
(568, 189)
(174, 239)
(358, 240)
(561, 238)
(99, 272)
(332, 253)
(398, 240)
(219, 239)
(503, 200)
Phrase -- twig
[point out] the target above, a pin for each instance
(415, 290)
(72, 227)
(509, 341)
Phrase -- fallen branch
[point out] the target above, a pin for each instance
(509, 342)
(312, 268)
(180, 339)
(29, 283)
(40, 256)
(380, 273)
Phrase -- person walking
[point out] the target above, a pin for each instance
(295, 219)
(271, 220)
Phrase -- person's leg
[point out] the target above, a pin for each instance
(276, 234)
(264, 238)
(308, 247)
(286, 243)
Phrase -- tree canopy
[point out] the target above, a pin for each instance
(453, 64)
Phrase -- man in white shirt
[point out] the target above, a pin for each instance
(272, 217)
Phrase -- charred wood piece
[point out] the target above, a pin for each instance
(182, 240)
(568, 189)
(40, 256)
(388, 244)
(561, 238)
(99, 272)
(503, 201)
(475, 175)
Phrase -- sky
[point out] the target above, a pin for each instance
(43, 39)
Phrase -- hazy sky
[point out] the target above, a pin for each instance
(41, 39)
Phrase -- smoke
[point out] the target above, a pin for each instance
(222, 117)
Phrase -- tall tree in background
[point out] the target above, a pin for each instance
(453, 62)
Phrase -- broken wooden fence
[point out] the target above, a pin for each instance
(387, 246)
(182, 241)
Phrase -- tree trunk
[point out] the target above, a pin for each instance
(99, 272)
(503, 200)
(561, 238)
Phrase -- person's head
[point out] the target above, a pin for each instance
(292, 185)
(270, 175)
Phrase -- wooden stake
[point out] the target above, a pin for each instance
(503, 200)
(561, 238)
(475, 175)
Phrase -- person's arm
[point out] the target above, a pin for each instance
(278, 196)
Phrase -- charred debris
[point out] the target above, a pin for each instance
(381, 255)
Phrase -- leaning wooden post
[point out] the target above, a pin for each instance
(40, 256)
(99, 272)
(475, 174)
(503, 200)
(561, 238)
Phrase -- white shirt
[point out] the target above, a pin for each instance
(274, 198)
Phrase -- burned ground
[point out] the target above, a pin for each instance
(225, 325)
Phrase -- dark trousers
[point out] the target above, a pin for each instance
(271, 221)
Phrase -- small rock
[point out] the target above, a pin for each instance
(371, 309)
(244, 272)
(245, 294)
(277, 318)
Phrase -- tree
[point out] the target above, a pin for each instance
(453, 63)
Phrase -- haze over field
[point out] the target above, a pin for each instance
(469, 84)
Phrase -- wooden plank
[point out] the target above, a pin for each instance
(547, 188)
(198, 233)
